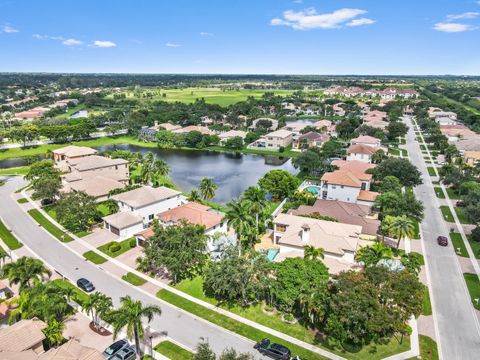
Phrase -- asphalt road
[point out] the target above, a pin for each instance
(457, 323)
(180, 326)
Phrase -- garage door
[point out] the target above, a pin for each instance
(114, 230)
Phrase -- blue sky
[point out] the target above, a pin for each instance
(241, 36)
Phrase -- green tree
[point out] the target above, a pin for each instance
(231, 354)
(390, 183)
(279, 183)
(131, 315)
(54, 333)
(47, 187)
(194, 196)
(25, 272)
(402, 227)
(207, 188)
(401, 168)
(41, 169)
(258, 202)
(68, 213)
(370, 255)
(204, 352)
(412, 262)
(235, 143)
(97, 305)
(313, 253)
(396, 129)
(240, 218)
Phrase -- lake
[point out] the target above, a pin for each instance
(232, 172)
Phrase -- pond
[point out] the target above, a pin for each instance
(232, 172)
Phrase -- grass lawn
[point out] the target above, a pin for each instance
(94, 257)
(21, 170)
(462, 215)
(416, 230)
(426, 305)
(47, 225)
(394, 151)
(51, 211)
(436, 182)
(422, 147)
(173, 351)
(452, 194)
(22, 201)
(124, 247)
(80, 295)
(431, 171)
(8, 238)
(473, 288)
(439, 192)
(255, 313)
(458, 244)
(133, 279)
(428, 348)
(447, 214)
(475, 246)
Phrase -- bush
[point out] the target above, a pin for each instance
(133, 243)
(114, 248)
(476, 234)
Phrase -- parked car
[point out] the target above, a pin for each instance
(272, 350)
(442, 241)
(127, 353)
(85, 285)
(460, 203)
(114, 348)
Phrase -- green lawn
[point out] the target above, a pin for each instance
(133, 279)
(47, 225)
(431, 171)
(447, 214)
(94, 257)
(452, 194)
(473, 288)
(8, 238)
(80, 295)
(255, 313)
(426, 305)
(462, 215)
(124, 247)
(173, 351)
(475, 247)
(428, 348)
(458, 244)
(439, 192)
(22, 201)
(416, 230)
(21, 170)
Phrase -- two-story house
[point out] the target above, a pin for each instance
(274, 141)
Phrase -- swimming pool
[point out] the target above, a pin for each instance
(272, 253)
(313, 189)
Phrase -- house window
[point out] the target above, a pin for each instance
(150, 217)
(280, 227)
(341, 186)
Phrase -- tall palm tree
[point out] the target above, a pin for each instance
(207, 188)
(239, 218)
(402, 227)
(256, 196)
(194, 196)
(130, 315)
(25, 272)
(313, 253)
(54, 333)
(371, 255)
(97, 305)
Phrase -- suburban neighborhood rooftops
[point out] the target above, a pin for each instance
(123, 219)
(71, 350)
(369, 196)
(361, 149)
(187, 129)
(167, 126)
(232, 134)
(339, 177)
(469, 144)
(193, 213)
(312, 135)
(280, 133)
(97, 186)
(343, 212)
(356, 167)
(146, 234)
(95, 162)
(366, 140)
(145, 195)
(22, 335)
(72, 151)
(334, 237)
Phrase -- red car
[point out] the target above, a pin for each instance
(442, 241)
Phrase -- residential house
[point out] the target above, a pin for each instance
(231, 134)
(71, 152)
(361, 152)
(468, 144)
(71, 350)
(340, 242)
(309, 140)
(138, 208)
(366, 140)
(374, 123)
(338, 110)
(168, 127)
(456, 132)
(344, 213)
(202, 129)
(25, 335)
(325, 126)
(295, 128)
(273, 127)
(274, 141)
(357, 168)
(471, 158)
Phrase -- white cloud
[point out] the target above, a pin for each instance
(169, 44)
(466, 15)
(104, 44)
(39, 37)
(206, 34)
(310, 19)
(450, 27)
(9, 29)
(360, 22)
(72, 42)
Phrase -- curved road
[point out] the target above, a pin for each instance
(183, 327)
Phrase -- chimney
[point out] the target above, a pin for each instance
(305, 234)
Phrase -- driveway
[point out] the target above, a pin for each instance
(100, 237)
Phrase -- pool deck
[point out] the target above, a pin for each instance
(266, 243)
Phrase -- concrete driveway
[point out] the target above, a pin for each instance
(100, 237)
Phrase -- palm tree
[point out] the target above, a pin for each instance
(371, 255)
(97, 306)
(402, 228)
(194, 196)
(25, 271)
(207, 188)
(256, 196)
(239, 218)
(161, 167)
(54, 333)
(130, 315)
(313, 253)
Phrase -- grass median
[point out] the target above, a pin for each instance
(94, 257)
(8, 238)
(458, 244)
(173, 351)
(49, 226)
(133, 279)
(428, 348)
(473, 285)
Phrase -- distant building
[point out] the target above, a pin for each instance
(273, 141)
(274, 125)
(361, 152)
(231, 134)
(309, 140)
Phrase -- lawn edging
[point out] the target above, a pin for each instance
(8, 238)
(49, 226)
